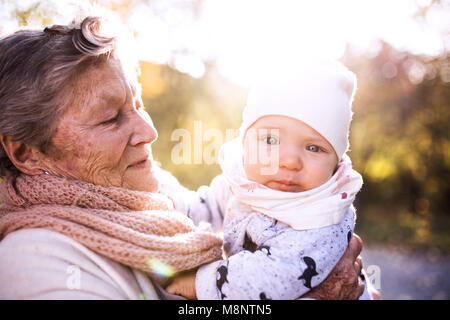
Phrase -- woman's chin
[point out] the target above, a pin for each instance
(142, 182)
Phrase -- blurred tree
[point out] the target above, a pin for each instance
(400, 134)
(175, 100)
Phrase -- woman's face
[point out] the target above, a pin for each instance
(105, 136)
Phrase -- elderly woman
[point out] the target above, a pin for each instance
(83, 213)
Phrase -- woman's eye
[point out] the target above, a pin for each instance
(110, 121)
(271, 140)
(313, 148)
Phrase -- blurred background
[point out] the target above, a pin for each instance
(199, 57)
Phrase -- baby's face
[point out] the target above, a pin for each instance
(300, 158)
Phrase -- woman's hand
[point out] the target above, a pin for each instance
(344, 282)
(184, 285)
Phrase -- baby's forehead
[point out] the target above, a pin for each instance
(286, 126)
(282, 122)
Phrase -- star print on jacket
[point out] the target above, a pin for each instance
(263, 296)
(222, 272)
(263, 257)
(248, 244)
(309, 272)
(265, 249)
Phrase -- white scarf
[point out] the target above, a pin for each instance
(320, 207)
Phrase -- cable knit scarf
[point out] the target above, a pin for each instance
(131, 227)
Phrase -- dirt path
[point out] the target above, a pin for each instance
(406, 274)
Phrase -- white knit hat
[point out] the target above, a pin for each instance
(319, 93)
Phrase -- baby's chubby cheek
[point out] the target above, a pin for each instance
(253, 172)
(259, 165)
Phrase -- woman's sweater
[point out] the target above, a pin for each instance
(43, 264)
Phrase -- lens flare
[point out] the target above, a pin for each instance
(160, 268)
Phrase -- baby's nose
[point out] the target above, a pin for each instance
(290, 159)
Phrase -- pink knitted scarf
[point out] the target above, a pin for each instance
(130, 227)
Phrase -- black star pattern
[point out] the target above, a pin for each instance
(248, 244)
(309, 272)
(222, 272)
(263, 296)
(266, 248)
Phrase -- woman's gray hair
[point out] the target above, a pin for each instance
(36, 70)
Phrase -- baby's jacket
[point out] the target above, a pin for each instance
(264, 258)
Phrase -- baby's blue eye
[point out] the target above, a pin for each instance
(271, 140)
(313, 148)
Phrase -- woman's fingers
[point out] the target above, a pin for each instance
(354, 282)
(355, 246)
(360, 289)
(358, 265)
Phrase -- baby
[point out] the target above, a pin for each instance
(286, 192)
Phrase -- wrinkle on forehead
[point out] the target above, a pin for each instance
(100, 87)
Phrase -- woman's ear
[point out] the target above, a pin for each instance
(25, 158)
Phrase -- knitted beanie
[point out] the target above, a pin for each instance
(318, 93)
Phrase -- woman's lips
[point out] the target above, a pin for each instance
(146, 163)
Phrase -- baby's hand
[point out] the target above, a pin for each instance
(184, 285)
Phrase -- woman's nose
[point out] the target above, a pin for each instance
(144, 131)
(290, 159)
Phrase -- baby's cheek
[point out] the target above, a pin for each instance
(317, 177)
(253, 173)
